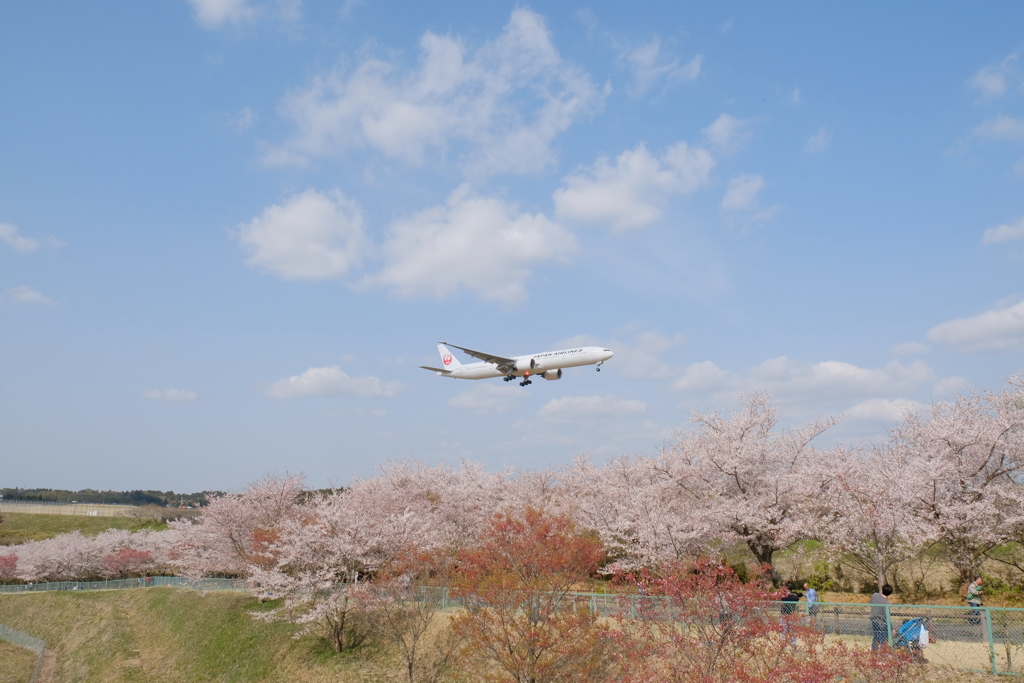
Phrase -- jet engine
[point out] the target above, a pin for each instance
(552, 374)
(524, 365)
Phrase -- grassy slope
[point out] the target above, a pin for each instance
(20, 528)
(170, 635)
(16, 663)
(165, 635)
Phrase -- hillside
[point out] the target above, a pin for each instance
(20, 528)
(168, 635)
(17, 663)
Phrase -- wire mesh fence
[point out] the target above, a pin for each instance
(988, 639)
(28, 642)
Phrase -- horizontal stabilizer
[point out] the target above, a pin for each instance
(443, 372)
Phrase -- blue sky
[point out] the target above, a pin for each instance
(231, 230)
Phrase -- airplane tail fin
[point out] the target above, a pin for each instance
(449, 361)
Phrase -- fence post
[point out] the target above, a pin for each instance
(888, 624)
(991, 640)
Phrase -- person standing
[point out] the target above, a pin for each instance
(974, 599)
(879, 618)
(789, 601)
(812, 604)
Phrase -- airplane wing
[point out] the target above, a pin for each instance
(443, 372)
(485, 357)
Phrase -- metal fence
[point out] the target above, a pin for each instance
(987, 639)
(28, 642)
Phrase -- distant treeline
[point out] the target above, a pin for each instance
(161, 498)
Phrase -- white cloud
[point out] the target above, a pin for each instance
(992, 81)
(884, 409)
(795, 97)
(488, 399)
(649, 65)
(950, 385)
(173, 395)
(740, 204)
(1000, 329)
(331, 381)
(311, 235)
(1001, 128)
(642, 359)
(632, 192)
(583, 409)
(481, 244)
(741, 195)
(818, 142)
(988, 81)
(23, 294)
(909, 349)
(728, 133)
(836, 379)
(1006, 232)
(793, 381)
(498, 108)
(20, 243)
(213, 14)
(243, 120)
(699, 377)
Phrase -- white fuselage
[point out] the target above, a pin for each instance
(548, 360)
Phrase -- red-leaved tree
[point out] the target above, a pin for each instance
(8, 567)
(522, 622)
(128, 562)
(699, 624)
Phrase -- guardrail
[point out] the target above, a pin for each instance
(28, 642)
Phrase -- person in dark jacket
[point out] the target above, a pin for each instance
(789, 602)
(879, 618)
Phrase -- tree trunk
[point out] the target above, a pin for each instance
(764, 555)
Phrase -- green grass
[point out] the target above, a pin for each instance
(166, 635)
(16, 663)
(16, 527)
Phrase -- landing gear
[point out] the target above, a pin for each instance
(508, 378)
(525, 382)
(599, 366)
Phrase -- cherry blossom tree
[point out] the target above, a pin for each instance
(638, 513)
(740, 478)
(126, 562)
(230, 535)
(970, 452)
(867, 510)
(317, 557)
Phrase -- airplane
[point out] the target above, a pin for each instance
(548, 364)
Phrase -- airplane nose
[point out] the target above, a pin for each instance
(608, 354)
